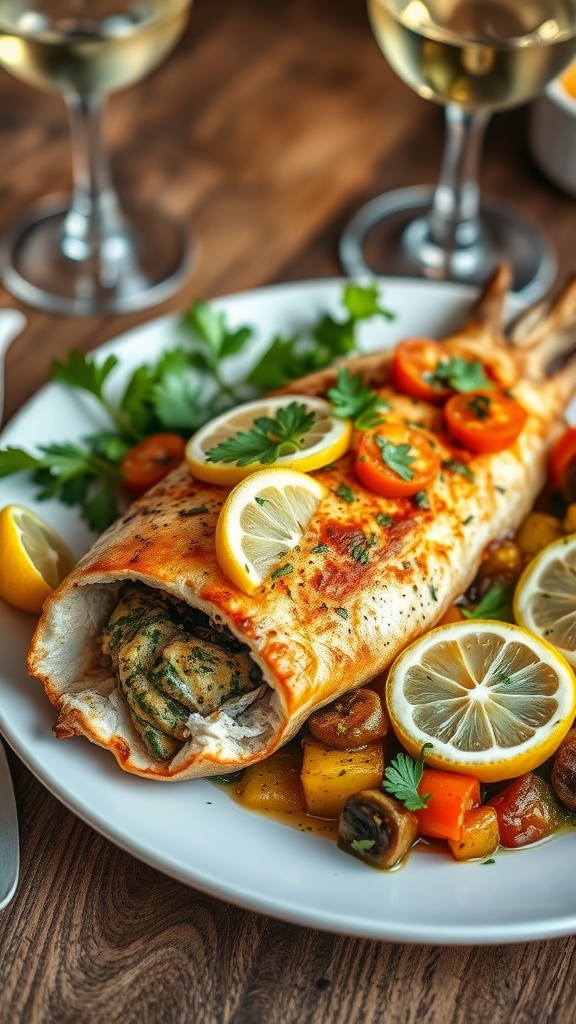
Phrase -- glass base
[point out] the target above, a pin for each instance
(137, 267)
(382, 237)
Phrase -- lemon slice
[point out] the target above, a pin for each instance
(33, 558)
(262, 519)
(545, 596)
(492, 699)
(327, 439)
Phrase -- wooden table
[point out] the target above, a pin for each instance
(267, 128)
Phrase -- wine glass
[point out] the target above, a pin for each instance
(474, 57)
(90, 252)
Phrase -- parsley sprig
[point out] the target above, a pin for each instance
(183, 389)
(397, 457)
(496, 604)
(353, 400)
(329, 338)
(402, 778)
(267, 439)
(459, 374)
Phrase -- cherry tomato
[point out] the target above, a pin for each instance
(396, 461)
(484, 421)
(527, 811)
(563, 464)
(413, 366)
(150, 461)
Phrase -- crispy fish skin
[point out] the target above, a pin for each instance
(359, 590)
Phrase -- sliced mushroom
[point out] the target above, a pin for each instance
(354, 719)
(564, 771)
(376, 828)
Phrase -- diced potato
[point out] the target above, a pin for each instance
(569, 521)
(538, 530)
(504, 560)
(479, 836)
(330, 776)
(273, 784)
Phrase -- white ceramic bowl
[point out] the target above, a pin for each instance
(553, 136)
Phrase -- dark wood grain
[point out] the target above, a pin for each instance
(266, 129)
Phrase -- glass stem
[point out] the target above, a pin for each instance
(94, 221)
(454, 220)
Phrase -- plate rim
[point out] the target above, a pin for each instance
(291, 911)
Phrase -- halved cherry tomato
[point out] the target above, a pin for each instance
(484, 421)
(150, 461)
(413, 366)
(396, 461)
(563, 464)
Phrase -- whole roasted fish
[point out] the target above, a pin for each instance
(149, 650)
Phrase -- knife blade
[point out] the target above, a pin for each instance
(9, 844)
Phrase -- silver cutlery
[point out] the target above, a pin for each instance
(9, 845)
(11, 323)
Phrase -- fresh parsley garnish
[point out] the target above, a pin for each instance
(459, 374)
(353, 400)
(360, 548)
(496, 604)
(402, 778)
(362, 845)
(459, 467)
(384, 520)
(319, 549)
(346, 493)
(283, 570)
(289, 358)
(421, 500)
(396, 456)
(184, 388)
(480, 406)
(267, 439)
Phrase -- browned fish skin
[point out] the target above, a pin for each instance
(369, 575)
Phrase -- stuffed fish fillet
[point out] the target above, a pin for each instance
(149, 650)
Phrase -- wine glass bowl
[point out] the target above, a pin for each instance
(91, 252)
(474, 57)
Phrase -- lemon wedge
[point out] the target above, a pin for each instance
(545, 596)
(325, 440)
(262, 519)
(492, 699)
(33, 558)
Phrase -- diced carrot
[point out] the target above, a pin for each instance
(451, 795)
(479, 836)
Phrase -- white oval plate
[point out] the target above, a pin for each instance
(193, 831)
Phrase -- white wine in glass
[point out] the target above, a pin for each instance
(91, 253)
(474, 57)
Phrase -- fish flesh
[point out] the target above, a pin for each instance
(368, 576)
